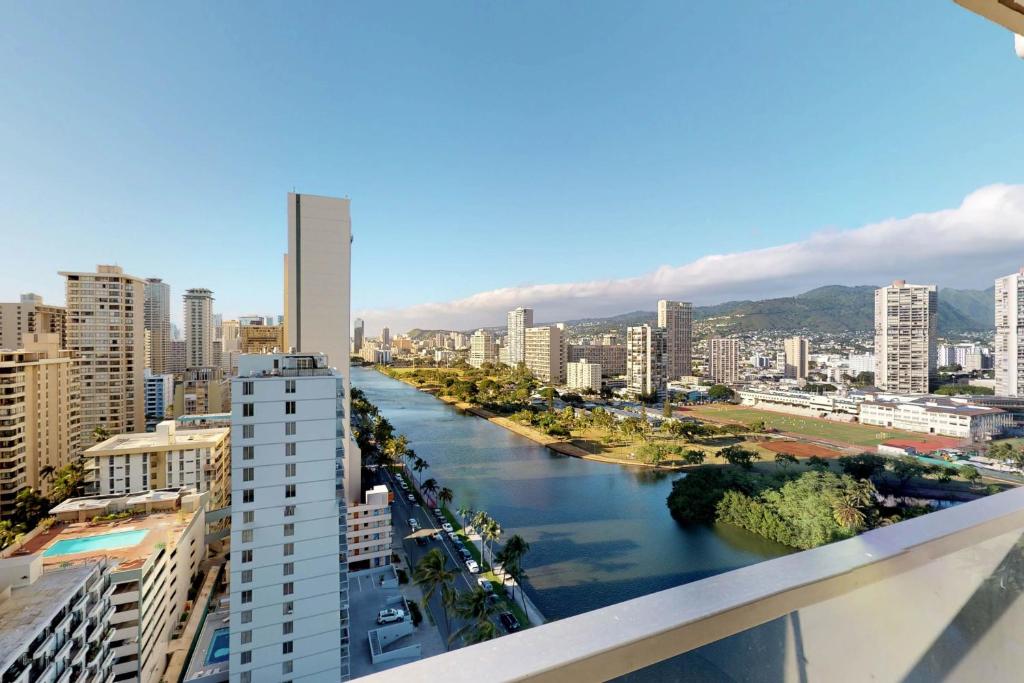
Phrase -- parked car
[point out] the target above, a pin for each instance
(390, 616)
(472, 566)
(447, 527)
(466, 555)
(411, 498)
(452, 535)
(436, 536)
(485, 584)
(414, 524)
(439, 513)
(509, 621)
(493, 600)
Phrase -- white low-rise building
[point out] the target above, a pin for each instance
(583, 375)
(368, 526)
(935, 415)
(781, 398)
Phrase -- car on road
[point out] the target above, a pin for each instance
(493, 600)
(439, 513)
(390, 616)
(509, 621)
(466, 555)
(472, 566)
(436, 536)
(485, 584)
(411, 498)
(414, 524)
(447, 527)
(452, 535)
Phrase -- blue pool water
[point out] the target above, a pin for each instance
(218, 650)
(111, 541)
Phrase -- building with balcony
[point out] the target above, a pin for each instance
(724, 360)
(797, 357)
(157, 321)
(545, 353)
(518, 321)
(159, 398)
(482, 349)
(168, 457)
(198, 303)
(1009, 355)
(28, 316)
(676, 317)
(40, 429)
(261, 338)
(202, 391)
(906, 319)
(289, 564)
(610, 356)
(646, 358)
(369, 529)
(54, 621)
(583, 376)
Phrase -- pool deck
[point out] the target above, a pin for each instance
(198, 670)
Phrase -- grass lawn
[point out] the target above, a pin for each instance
(621, 448)
(854, 434)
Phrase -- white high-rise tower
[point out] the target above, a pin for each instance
(677, 319)
(906, 318)
(1009, 360)
(157, 321)
(518, 321)
(198, 328)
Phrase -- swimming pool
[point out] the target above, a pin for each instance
(218, 650)
(86, 544)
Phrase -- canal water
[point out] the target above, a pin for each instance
(598, 533)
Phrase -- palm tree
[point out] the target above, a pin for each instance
(465, 513)
(432, 574)
(446, 496)
(394, 448)
(430, 486)
(846, 514)
(46, 471)
(418, 466)
(512, 559)
(491, 533)
(479, 521)
(100, 434)
(475, 607)
(485, 630)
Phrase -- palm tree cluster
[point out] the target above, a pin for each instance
(31, 507)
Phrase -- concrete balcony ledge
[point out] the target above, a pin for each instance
(886, 605)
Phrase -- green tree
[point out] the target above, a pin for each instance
(419, 465)
(739, 456)
(446, 496)
(784, 460)
(816, 462)
(511, 558)
(490, 533)
(720, 392)
(863, 466)
(475, 608)
(905, 468)
(430, 487)
(99, 434)
(666, 409)
(432, 575)
(970, 474)
(694, 457)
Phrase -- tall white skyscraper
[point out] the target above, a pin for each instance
(518, 321)
(906, 319)
(482, 349)
(546, 353)
(797, 361)
(646, 360)
(106, 330)
(318, 295)
(157, 321)
(1009, 360)
(724, 360)
(199, 328)
(677, 319)
(289, 565)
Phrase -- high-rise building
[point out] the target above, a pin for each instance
(202, 391)
(797, 360)
(482, 349)
(385, 337)
(583, 375)
(357, 335)
(646, 360)
(29, 316)
(39, 416)
(1009, 356)
(106, 330)
(176, 358)
(677, 319)
(198, 328)
(218, 324)
(157, 321)
(318, 295)
(159, 398)
(229, 332)
(724, 360)
(906, 317)
(611, 357)
(546, 353)
(289, 564)
(518, 321)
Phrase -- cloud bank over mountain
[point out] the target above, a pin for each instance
(963, 246)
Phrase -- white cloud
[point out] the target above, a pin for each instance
(966, 246)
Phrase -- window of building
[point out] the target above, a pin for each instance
(289, 549)
(288, 568)
(248, 388)
(289, 386)
(247, 657)
(287, 588)
(246, 637)
(248, 410)
(248, 473)
(289, 429)
(246, 576)
(289, 510)
(289, 490)
(246, 535)
(246, 597)
(287, 608)
(248, 452)
(289, 407)
(287, 628)
(289, 469)
(286, 667)
(248, 516)
(246, 556)
(248, 495)
(248, 431)
(289, 529)
(290, 449)
(287, 648)
(246, 616)
(245, 677)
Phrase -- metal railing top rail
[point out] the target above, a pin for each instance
(627, 636)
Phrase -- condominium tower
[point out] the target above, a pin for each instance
(30, 316)
(797, 362)
(646, 360)
(1009, 359)
(157, 320)
(546, 353)
(357, 335)
(105, 330)
(905, 335)
(677, 319)
(724, 360)
(198, 328)
(518, 321)
(482, 349)
(289, 575)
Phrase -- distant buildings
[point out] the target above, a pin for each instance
(545, 353)
(201, 391)
(646, 360)
(176, 358)
(159, 398)
(106, 331)
(610, 356)
(797, 351)
(198, 328)
(1009, 341)
(482, 349)
(518, 321)
(583, 376)
(40, 428)
(157, 321)
(260, 338)
(289, 562)
(368, 529)
(357, 335)
(29, 316)
(905, 337)
(385, 337)
(676, 317)
(724, 360)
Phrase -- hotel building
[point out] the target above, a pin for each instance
(583, 375)
(724, 360)
(30, 316)
(797, 361)
(646, 360)
(482, 349)
(546, 353)
(157, 321)
(198, 328)
(518, 322)
(676, 317)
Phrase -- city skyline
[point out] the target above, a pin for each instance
(699, 176)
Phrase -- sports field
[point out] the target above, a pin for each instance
(842, 432)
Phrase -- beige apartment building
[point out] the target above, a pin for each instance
(482, 348)
(169, 457)
(610, 356)
(202, 391)
(198, 328)
(39, 416)
(1009, 358)
(724, 360)
(28, 316)
(106, 330)
(676, 317)
(583, 376)
(797, 357)
(260, 338)
(157, 320)
(546, 352)
(906, 318)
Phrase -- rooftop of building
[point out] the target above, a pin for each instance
(166, 437)
(30, 607)
(933, 404)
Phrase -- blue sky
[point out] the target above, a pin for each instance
(487, 145)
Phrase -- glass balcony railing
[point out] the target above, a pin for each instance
(932, 598)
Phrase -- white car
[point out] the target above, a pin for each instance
(452, 535)
(447, 527)
(389, 616)
(414, 524)
(472, 566)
